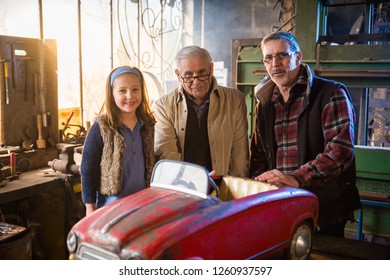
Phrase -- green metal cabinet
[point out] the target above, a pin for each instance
(373, 182)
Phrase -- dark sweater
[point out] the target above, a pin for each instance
(196, 146)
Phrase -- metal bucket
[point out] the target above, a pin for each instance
(18, 248)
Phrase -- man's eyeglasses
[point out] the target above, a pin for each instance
(279, 56)
(191, 79)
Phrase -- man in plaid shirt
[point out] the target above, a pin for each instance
(304, 135)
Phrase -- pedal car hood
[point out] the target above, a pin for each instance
(142, 219)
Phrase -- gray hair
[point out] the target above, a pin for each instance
(192, 51)
(286, 36)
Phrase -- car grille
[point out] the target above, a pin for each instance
(90, 252)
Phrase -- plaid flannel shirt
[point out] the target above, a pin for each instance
(337, 120)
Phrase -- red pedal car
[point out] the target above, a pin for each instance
(178, 218)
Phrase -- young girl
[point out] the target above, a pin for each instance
(118, 153)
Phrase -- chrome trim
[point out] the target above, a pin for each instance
(115, 220)
(268, 250)
(92, 252)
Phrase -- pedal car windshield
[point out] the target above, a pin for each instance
(181, 176)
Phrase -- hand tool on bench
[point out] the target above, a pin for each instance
(41, 143)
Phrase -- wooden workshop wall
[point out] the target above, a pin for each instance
(23, 95)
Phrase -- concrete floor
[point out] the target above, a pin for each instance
(335, 248)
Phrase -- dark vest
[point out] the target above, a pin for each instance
(337, 196)
(196, 146)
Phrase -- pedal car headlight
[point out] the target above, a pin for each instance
(71, 242)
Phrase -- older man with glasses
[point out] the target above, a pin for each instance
(200, 121)
(304, 135)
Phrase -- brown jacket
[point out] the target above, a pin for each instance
(227, 127)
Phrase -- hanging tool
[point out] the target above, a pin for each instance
(6, 74)
(41, 143)
(13, 68)
(25, 60)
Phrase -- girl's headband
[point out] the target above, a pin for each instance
(122, 70)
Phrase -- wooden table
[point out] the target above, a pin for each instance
(28, 184)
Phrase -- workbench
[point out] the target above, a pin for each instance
(28, 184)
(37, 200)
